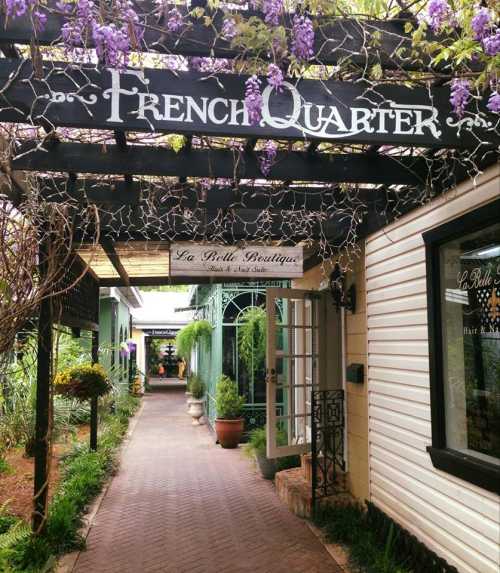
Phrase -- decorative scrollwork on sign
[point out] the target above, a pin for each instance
(468, 122)
(327, 429)
(61, 97)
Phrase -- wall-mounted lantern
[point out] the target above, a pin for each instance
(341, 296)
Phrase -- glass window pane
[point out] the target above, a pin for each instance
(470, 302)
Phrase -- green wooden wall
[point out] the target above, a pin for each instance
(109, 351)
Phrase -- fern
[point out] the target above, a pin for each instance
(188, 336)
(19, 532)
(252, 338)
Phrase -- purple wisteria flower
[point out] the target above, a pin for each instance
(129, 15)
(39, 20)
(275, 77)
(480, 24)
(16, 8)
(253, 100)
(302, 38)
(64, 7)
(272, 11)
(268, 157)
(76, 30)
(491, 44)
(228, 29)
(112, 45)
(460, 96)
(174, 20)
(494, 102)
(438, 14)
(209, 65)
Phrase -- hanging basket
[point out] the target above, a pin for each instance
(82, 382)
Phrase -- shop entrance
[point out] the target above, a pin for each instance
(304, 355)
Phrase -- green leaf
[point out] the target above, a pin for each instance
(176, 142)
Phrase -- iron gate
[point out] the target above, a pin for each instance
(327, 442)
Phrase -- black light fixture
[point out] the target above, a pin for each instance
(341, 296)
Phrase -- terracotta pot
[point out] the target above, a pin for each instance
(229, 432)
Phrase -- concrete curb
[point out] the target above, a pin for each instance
(67, 562)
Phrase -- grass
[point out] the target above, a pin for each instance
(83, 474)
(348, 526)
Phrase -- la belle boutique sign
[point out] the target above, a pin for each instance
(221, 261)
(189, 102)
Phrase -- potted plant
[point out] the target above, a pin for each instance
(197, 401)
(257, 448)
(229, 404)
(82, 382)
(188, 393)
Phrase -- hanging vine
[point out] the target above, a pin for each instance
(252, 337)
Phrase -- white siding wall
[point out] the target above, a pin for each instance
(457, 520)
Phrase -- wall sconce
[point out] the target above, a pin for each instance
(341, 296)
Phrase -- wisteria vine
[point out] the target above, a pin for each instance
(270, 42)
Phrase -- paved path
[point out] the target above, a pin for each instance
(181, 504)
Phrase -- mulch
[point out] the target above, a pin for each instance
(16, 486)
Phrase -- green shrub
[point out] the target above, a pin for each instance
(257, 445)
(196, 387)
(257, 442)
(229, 404)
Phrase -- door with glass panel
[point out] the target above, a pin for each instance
(295, 366)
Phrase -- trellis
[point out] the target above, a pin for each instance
(92, 140)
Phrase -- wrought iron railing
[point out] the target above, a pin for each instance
(327, 437)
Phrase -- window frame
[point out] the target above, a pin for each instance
(465, 466)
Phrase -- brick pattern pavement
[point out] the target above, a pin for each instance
(181, 504)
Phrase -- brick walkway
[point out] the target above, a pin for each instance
(181, 504)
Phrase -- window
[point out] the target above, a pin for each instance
(463, 274)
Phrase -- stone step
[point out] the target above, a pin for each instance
(307, 472)
(296, 492)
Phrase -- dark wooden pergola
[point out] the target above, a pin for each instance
(310, 172)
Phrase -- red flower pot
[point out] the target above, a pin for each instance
(229, 432)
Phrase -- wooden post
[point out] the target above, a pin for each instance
(94, 401)
(42, 426)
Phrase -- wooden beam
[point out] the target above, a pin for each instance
(127, 225)
(298, 166)
(250, 144)
(113, 256)
(361, 42)
(87, 97)
(43, 408)
(94, 402)
(115, 194)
